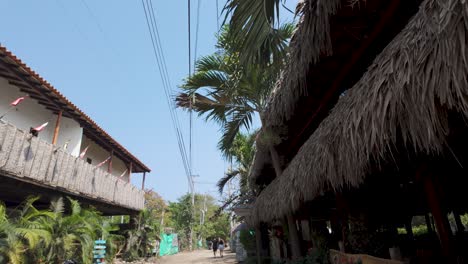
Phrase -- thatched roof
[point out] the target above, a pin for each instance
(260, 160)
(406, 94)
(304, 50)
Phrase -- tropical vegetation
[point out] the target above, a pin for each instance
(207, 222)
(67, 231)
(230, 93)
(63, 231)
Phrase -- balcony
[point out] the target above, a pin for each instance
(39, 165)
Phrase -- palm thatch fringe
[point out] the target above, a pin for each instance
(311, 40)
(260, 160)
(406, 93)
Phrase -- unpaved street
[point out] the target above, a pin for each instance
(198, 257)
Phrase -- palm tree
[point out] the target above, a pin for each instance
(254, 25)
(21, 233)
(140, 239)
(242, 151)
(72, 234)
(228, 92)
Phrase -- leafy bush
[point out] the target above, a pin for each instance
(247, 239)
(30, 235)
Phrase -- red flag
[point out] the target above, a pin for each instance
(83, 153)
(17, 101)
(41, 127)
(103, 162)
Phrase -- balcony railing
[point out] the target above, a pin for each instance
(30, 158)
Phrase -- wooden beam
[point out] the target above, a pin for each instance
(143, 181)
(258, 242)
(130, 170)
(294, 237)
(292, 230)
(57, 128)
(109, 165)
(440, 217)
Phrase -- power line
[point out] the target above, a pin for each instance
(162, 66)
(189, 38)
(91, 13)
(196, 35)
(217, 15)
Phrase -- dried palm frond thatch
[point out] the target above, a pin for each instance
(407, 93)
(311, 40)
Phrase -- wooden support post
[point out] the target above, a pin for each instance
(293, 234)
(429, 224)
(57, 128)
(143, 181)
(341, 207)
(109, 164)
(258, 242)
(130, 170)
(409, 228)
(460, 226)
(440, 217)
(276, 161)
(294, 237)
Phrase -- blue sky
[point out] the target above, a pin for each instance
(101, 59)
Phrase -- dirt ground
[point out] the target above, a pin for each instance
(199, 257)
(196, 257)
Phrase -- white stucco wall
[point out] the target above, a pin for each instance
(30, 113)
(97, 154)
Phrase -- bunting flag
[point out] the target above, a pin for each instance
(18, 101)
(103, 162)
(125, 172)
(12, 105)
(83, 153)
(41, 127)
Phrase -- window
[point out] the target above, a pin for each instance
(89, 160)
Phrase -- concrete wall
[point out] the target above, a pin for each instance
(30, 113)
(97, 154)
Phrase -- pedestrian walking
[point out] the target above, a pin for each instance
(221, 247)
(215, 246)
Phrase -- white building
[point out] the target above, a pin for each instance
(68, 133)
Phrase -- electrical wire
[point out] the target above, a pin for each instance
(196, 35)
(217, 15)
(162, 67)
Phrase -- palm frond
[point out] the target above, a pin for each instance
(224, 180)
(253, 26)
(240, 118)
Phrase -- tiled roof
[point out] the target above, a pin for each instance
(18, 73)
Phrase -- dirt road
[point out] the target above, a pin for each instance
(198, 257)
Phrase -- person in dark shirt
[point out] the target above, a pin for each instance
(215, 246)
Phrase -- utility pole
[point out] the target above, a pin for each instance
(192, 221)
(231, 222)
(162, 220)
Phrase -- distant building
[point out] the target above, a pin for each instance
(49, 163)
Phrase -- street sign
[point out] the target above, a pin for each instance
(99, 252)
